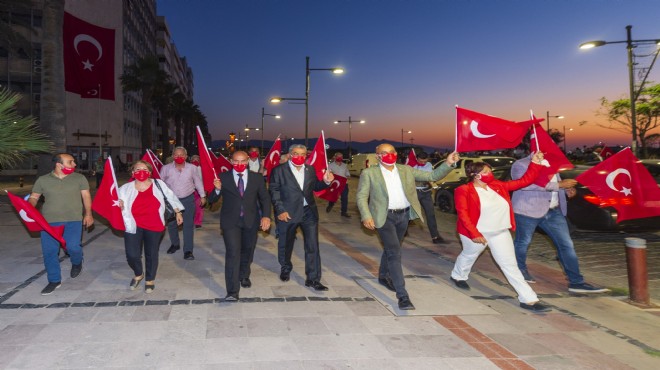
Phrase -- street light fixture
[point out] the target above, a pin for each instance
(350, 126)
(263, 114)
(570, 129)
(547, 121)
(630, 45)
(402, 132)
(336, 71)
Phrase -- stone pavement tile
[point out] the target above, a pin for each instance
(529, 323)
(352, 364)
(343, 325)
(266, 327)
(189, 312)
(122, 313)
(362, 347)
(305, 326)
(605, 342)
(228, 352)
(184, 330)
(36, 316)
(46, 355)
(319, 347)
(20, 334)
(267, 365)
(511, 364)
(368, 308)
(490, 324)
(407, 345)
(639, 361)
(273, 348)
(564, 323)
(351, 290)
(562, 343)
(325, 309)
(8, 353)
(125, 331)
(224, 310)
(463, 363)
(76, 314)
(522, 345)
(385, 325)
(143, 353)
(75, 332)
(152, 313)
(424, 325)
(226, 328)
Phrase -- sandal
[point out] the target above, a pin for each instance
(135, 282)
(148, 288)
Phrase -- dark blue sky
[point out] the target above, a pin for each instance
(407, 62)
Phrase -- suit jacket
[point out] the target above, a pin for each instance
(232, 200)
(287, 195)
(372, 197)
(533, 200)
(468, 205)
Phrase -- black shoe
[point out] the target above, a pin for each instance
(246, 283)
(316, 285)
(188, 256)
(387, 283)
(586, 288)
(462, 284)
(135, 282)
(75, 270)
(231, 298)
(345, 215)
(438, 240)
(329, 207)
(405, 304)
(198, 226)
(285, 275)
(50, 288)
(172, 249)
(536, 307)
(149, 288)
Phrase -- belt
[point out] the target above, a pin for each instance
(551, 208)
(398, 210)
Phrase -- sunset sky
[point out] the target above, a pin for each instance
(408, 63)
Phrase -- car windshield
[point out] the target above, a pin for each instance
(499, 162)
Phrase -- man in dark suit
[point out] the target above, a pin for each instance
(291, 189)
(245, 198)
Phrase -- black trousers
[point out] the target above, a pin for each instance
(310, 230)
(429, 211)
(240, 242)
(391, 235)
(133, 244)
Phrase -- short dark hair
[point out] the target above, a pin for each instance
(423, 155)
(473, 168)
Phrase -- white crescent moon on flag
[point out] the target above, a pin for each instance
(113, 186)
(93, 92)
(24, 216)
(609, 180)
(272, 155)
(224, 169)
(474, 127)
(311, 162)
(82, 37)
(333, 187)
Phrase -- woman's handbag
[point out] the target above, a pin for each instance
(169, 214)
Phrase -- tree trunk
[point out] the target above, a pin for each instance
(165, 134)
(52, 116)
(147, 133)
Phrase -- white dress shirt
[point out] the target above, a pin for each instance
(395, 194)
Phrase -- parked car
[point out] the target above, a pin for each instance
(585, 211)
(360, 162)
(459, 172)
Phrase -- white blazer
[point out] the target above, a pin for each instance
(127, 193)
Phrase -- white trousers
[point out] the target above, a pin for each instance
(501, 247)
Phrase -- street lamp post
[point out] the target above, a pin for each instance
(630, 45)
(547, 121)
(402, 132)
(350, 126)
(570, 129)
(263, 114)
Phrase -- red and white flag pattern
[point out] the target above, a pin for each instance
(147, 157)
(332, 192)
(155, 159)
(272, 159)
(106, 200)
(624, 183)
(412, 158)
(477, 131)
(220, 164)
(205, 163)
(318, 158)
(34, 220)
(89, 59)
(555, 160)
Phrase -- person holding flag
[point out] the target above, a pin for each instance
(291, 190)
(63, 189)
(142, 204)
(425, 200)
(339, 168)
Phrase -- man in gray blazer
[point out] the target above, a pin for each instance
(387, 199)
(545, 207)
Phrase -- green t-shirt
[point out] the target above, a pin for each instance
(62, 198)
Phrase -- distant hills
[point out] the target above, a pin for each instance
(333, 144)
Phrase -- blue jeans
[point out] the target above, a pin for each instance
(391, 235)
(50, 249)
(554, 224)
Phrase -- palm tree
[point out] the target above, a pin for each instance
(11, 39)
(144, 76)
(179, 107)
(163, 101)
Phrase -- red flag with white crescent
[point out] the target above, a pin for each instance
(412, 158)
(332, 192)
(34, 220)
(318, 158)
(155, 159)
(106, 200)
(477, 131)
(149, 159)
(272, 159)
(220, 164)
(205, 163)
(554, 161)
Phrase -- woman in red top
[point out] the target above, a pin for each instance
(485, 217)
(143, 205)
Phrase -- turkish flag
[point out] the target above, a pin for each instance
(318, 158)
(220, 164)
(624, 183)
(149, 159)
(205, 163)
(106, 200)
(34, 220)
(272, 159)
(158, 164)
(556, 160)
(89, 59)
(478, 131)
(332, 192)
(606, 152)
(412, 158)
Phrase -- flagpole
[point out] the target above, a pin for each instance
(99, 121)
(324, 151)
(536, 137)
(456, 128)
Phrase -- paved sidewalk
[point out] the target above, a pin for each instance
(96, 321)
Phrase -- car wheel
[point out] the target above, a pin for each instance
(445, 201)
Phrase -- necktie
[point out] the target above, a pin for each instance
(241, 189)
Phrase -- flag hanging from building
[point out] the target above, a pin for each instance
(89, 59)
(412, 158)
(205, 163)
(318, 158)
(106, 200)
(477, 131)
(622, 182)
(272, 159)
(34, 220)
(332, 192)
(554, 158)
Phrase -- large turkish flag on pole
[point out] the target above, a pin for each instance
(106, 200)
(622, 182)
(34, 220)
(272, 159)
(477, 131)
(89, 59)
(555, 160)
(205, 163)
(318, 158)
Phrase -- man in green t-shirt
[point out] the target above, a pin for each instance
(63, 189)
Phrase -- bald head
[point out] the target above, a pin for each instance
(385, 148)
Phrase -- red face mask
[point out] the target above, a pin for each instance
(487, 177)
(196, 163)
(141, 175)
(298, 161)
(179, 160)
(339, 160)
(254, 155)
(68, 171)
(240, 167)
(388, 159)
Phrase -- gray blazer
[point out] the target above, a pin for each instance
(534, 201)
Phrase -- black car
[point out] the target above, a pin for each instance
(586, 211)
